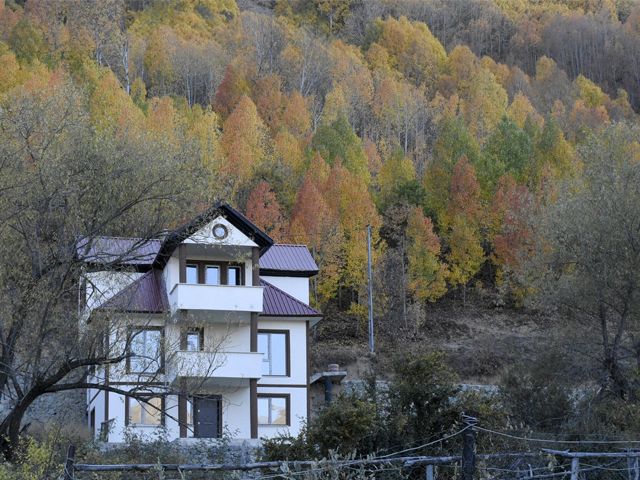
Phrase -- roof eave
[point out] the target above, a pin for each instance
(288, 273)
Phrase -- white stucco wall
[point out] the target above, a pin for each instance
(101, 286)
(294, 286)
(298, 406)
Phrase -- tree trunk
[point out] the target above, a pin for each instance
(10, 428)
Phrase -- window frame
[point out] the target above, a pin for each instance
(287, 403)
(184, 343)
(162, 352)
(287, 343)
(127, 409)
(224, 271)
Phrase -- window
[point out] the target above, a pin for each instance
(192, 273)
(212, 276)
(146, 346)
(235, 276)
(274, 345)
(214, 273)
(147, 413)
(194, 341)
(190, 414)
(273, 410)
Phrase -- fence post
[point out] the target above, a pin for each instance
(469, 419)
(68, 466)
(575, 468)
(429, 472)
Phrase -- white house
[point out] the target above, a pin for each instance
(217, 318)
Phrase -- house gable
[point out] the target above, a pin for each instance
(232, 235)
(198, 225)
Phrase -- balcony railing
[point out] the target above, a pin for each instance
(202, 368)
(226, 298)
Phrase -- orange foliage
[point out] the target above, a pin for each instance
(264, 211)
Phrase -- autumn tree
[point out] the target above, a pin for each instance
(484, 105)
(315, 224)
(244, 142)
(508, 150)
(463, 220)
(264, 211)
(412, 49)
(511, 222)
(336, 11)
(427, 273)
(339, 141)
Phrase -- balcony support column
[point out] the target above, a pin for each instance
(253, 402)
(253, 383)
(182, 262)
(255, 266)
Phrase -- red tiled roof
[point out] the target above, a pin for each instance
(294, 259)
(277, 303)
(120, 250)
(145, 295)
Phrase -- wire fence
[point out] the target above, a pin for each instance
(619, 462)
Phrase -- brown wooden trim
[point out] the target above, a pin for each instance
(279, 385)
(183, 338)
(182, 261)
(182, 415)
(253, 406)
(286, 396)
(255, 266)
(162, 365)
(307, 340)
(287, 343)
(106, 409)
(254, 332)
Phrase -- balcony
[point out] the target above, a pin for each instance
(195, 370)
(221, 298)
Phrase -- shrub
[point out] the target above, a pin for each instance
(537, 395)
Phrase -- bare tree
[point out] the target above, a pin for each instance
(586, 265)
(64, 185)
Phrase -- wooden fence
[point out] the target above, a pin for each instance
(466, 463)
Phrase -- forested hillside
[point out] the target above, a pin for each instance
(446, 125)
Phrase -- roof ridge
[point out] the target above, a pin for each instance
(290, 296)
(290, 245)
(129, 238)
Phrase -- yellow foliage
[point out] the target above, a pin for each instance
(395, 171)
(466, 254)
(521, 109)
(590, 93)
(334, 105)
(9, 69)
(485, 105)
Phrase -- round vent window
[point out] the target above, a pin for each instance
(219, 231)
